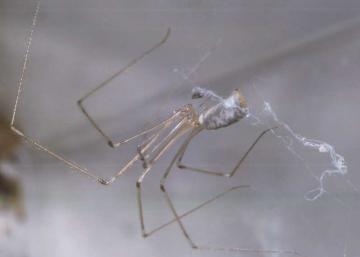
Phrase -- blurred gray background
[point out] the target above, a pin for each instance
(303, 57)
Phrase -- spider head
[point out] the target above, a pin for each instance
(239, 98)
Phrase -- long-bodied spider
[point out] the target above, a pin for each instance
(187, 121)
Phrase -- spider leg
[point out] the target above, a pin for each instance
(193, 133)
(73, 165)
(139, 201)
(110, 141)
(141, 149)
(178, 217)
(250, 250)
(187, 213)
(147, 166)
(215, 173)
(37, 145)
(82, 170)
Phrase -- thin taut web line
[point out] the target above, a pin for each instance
(26, 59)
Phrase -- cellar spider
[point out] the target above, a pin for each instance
(186, 121)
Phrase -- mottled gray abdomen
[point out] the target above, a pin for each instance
(221, 116)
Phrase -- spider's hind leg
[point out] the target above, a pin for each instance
(221, 174)
(178, 217)
(141, 149)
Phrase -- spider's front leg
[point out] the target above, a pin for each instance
(80, 102)
(73, 165)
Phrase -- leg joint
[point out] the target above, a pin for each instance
(162, 187)
(106, 182)
(181, 166)
(16, 131)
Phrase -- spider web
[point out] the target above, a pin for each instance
(291, 140)
(337, 161)
(268, 118)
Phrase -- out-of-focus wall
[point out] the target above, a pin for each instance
(303, 57)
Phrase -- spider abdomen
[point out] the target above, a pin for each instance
(220, 116)
(225, 113)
